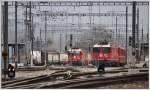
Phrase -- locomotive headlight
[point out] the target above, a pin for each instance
(13, 69)
(8, 69)
(74, 57)
(105, 55)
(100, 55)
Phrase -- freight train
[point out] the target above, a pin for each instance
(108, 54)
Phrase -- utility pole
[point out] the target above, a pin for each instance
(90, 12)
(71, 35)
(16, 44)
(60, 47)
(60, 43)
(66, 33)
(138, 42)
(46, 38)
(126, 33)
(40, 40)
(45, 27)
(133, 25)
(116, 29)
(142, 52)
(26, 35)
(133, 30)
(113, 34)
(5, 38)
(30, 17)
(30, 34)
(79, 24)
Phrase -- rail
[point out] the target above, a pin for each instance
(92, 82)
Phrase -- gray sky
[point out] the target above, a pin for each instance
(54, 22)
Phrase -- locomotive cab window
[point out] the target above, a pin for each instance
(74, 53)
(106, 49)
(96, 49)
(77, 52)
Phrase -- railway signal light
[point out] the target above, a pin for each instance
(71, 37)
(65, 48)
(11, 71)
(70, 45)
(130, 41)
(133, 53)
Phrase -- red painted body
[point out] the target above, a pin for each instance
(75, 55)
(78, 55)
(108, 53)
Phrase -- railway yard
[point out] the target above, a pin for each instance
(79, 77)
(74, 44)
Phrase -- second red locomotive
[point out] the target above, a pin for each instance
(76, 57)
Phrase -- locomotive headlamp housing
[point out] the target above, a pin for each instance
(100, 54)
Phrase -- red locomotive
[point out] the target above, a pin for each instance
(76, 57)
(108, 54)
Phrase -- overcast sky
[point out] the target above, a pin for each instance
(54, 22)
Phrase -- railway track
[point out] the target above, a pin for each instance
(97, 82)
(57, 74)
(31, 68)
(33, 79)
(38, 82)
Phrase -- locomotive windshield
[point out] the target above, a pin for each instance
(106, 49)
(96, 49)
(74, 52)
